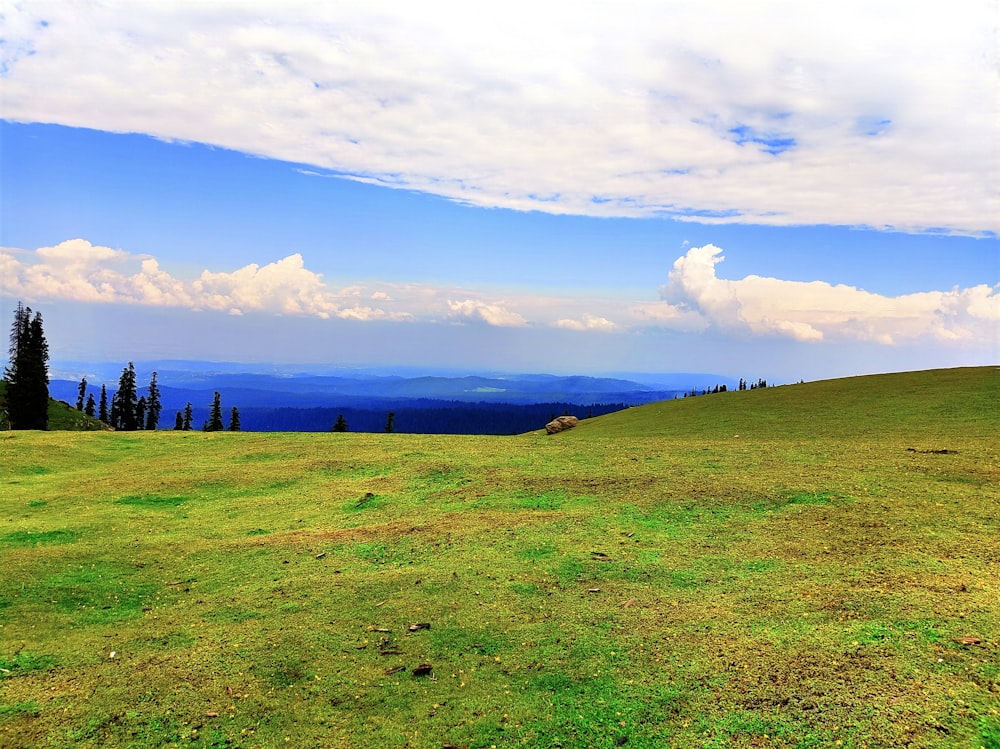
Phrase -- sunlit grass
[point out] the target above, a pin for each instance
(648, 579)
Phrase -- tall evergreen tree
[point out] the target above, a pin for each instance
(81, 394)
(341, 424)
(234, 420)
(178, 422)
(389, 425)
(102, 409)
(214, 423)
(124, 417)
(91, 406)
(188, 417)
(140, 413)
(27, 374)
(153, 405)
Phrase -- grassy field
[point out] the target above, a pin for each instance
(815, 565)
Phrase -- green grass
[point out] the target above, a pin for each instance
(647, 579)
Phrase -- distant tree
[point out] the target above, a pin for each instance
(389, 422)
(214, 423)
(81, 394)
(125, 401)
(153, 405)
(102, 410)
(91, 406)
(340, 425)
(27, 374)
(140, 413)
(234, 420)
(187, 425)
(179, 422)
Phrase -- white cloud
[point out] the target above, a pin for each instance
(693, 300)
(817, 311)
(880, 113)
(491, 314)
(587, 323)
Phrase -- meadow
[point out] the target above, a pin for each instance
(812, 565)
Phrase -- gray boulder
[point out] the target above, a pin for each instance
(561, 423)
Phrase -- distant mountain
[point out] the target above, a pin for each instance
(369, 395)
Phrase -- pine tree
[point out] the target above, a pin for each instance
(153, 405)
(91, 405)
(124, 403)
(214, 423)
(179, 422)
(140, 413)
(389, 426)
(340, 425)
(234, 420)
(81, 393)
(28, 372)
(102, 410)
(188, 417)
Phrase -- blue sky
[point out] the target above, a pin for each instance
(634, 187)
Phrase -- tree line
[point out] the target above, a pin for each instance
(744, 385)
(27, 389)
(127, 411)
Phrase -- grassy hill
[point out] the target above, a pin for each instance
(62, 416)
(828, 577)
(920, 404)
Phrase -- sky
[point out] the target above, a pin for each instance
(773, 189)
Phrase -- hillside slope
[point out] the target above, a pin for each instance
(62, 416)
(928, 404)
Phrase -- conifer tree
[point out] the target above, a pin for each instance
(214, 423)
(188, 417)
(341, 424)
(234, 420)
(27, 374)
(91, 406)
(389, 426)
(179, 422)
(102, 409)
(124, 402)
(153, 405)
(140, 413)
(81, 393)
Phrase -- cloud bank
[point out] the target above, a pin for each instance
(694, 299)
(817, 311)
(879, 113)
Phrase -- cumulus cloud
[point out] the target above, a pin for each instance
(878, 113)
(818, 311)
(587, 323)
(76, 270)
(491, 314)
(693, 299)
